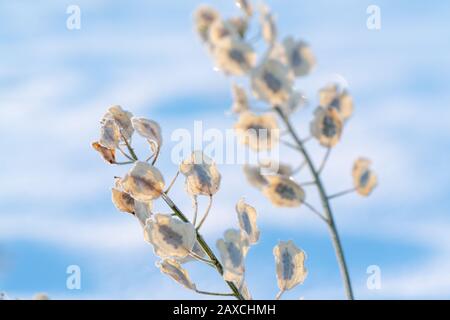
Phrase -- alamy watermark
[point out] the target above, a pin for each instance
(73, 21)
(374, 279)
(374, 19)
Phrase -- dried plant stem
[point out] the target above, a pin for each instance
(339, 194)
(204, 246)
(177, 212)
(196, 256)
(195, 203)
(208, 209)
(172, 182)
(130, 149)
(215, 293)
(325, 204)
(124, 153)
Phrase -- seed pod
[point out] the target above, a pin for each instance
(174, 270)
(109, 134)
(122, 118)
(233, 249)
(235, 58)
(327, 126)
(254, 176)
(299, 56)
(143, 182)
(148, 129)
(332, 97)
(272, 82)
(169, 236)
(126, 203)
(364, 179)
(283, 192)
(290, 265)
(259, 132)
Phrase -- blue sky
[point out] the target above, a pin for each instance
(55, 207)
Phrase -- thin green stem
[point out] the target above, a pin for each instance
(279, 294)
(204, 245)
(299, 168)
(314, 210)
(158, 149)
(290, 145)
(124, 153)
(130, 149)
(324, 161)
(342, 193)
(208, 209)
(325, 204)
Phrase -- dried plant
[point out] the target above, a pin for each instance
(176, 240)
(271, 76)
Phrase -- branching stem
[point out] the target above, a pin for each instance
(204, 246)
(342, 193)
(310, 207)
(324, 161)
(196, 256)
(172, 182)
(215, 293)
(325, 204)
